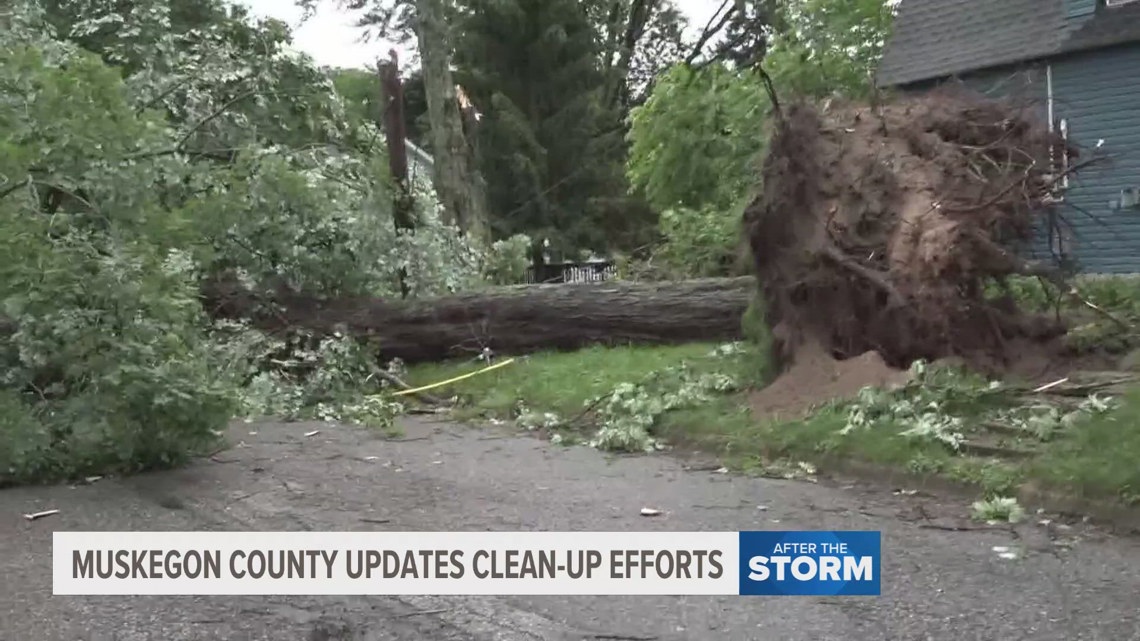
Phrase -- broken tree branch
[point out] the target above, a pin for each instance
(398, 382)
(713, 27)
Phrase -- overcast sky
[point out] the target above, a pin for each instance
(331, 39)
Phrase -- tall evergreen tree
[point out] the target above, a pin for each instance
(549, 149)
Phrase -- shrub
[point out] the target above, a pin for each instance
(507, 261)
(128, 172)
(702, 242)
(108, 363)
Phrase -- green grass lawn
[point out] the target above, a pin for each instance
(1097, 458)
(559, 382)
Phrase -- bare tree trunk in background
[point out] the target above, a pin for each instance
(470, 121)
(640, 12)
(395, 130)
(455, 176)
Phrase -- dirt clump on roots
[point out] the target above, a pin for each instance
(817, 377)
(878, 229)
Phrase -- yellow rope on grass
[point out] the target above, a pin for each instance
(457, 378)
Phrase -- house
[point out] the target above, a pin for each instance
(1080, 61)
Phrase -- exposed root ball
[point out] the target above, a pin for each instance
(877, 229)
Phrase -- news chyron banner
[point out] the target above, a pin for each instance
(813, 563)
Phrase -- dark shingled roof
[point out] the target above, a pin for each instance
(939, 38)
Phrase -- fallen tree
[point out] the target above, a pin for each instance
(879, 228)
(506, 320)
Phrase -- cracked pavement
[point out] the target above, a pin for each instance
(942, 578)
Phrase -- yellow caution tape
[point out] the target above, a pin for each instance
(457, 378)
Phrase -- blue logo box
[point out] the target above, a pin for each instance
(814, 563)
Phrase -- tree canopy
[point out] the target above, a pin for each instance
(155, 149)
(146, 154)
(696, 143)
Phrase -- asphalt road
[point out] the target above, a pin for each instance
(1071, 583)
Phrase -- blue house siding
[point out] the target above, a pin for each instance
(1077, 8)
(1098, 93)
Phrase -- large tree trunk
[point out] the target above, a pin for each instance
(455, 176)
(513, 320)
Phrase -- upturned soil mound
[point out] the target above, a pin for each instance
(816, 377)
(878, 228)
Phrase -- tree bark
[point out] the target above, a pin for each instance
(455, 175)
(512, 320)
(403, 204)
(617, 84)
